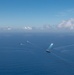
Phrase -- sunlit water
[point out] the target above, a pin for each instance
(25, 54)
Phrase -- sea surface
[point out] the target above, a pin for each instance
(25, 54)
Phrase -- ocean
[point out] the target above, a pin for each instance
(25, 54)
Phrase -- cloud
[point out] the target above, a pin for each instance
(42, 28)
(45, 27)
(66, 24)
(6, 28)
(63, 26)
(27, 28)
(9, 28)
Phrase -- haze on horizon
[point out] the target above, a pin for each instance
(37, 15)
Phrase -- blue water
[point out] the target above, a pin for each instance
(31, 58)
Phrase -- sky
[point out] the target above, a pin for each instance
(35, 13)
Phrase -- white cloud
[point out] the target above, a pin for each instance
(46, 27)
(27, 28)
(68, 24)
(6, 28)
(64, 25)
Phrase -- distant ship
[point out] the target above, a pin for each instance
(48, 51)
